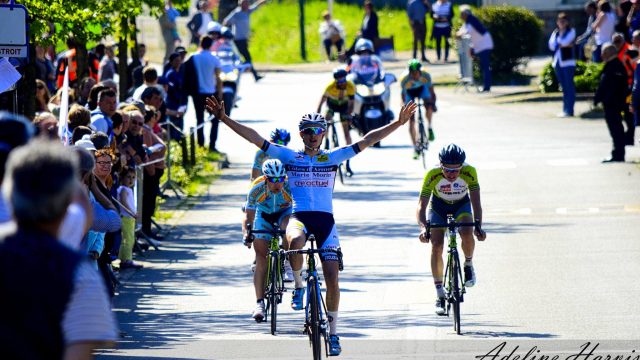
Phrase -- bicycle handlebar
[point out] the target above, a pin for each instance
(248, 238)
(451, 226)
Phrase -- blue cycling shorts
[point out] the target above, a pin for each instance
(421, 92)
(264, 221)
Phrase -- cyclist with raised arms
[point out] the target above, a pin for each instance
(268, 202)
(339, 96)
(451, 188)
(417, 84)
(278, 136)
(311, 172)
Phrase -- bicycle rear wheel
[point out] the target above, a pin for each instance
(273, 292)
(314, 318)
(424, 145)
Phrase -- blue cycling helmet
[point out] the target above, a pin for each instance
(280, 136)
(452, 154)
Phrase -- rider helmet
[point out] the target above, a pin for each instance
(414, 65)
(213, 27)
(273, 168)
(339, 73)
(364, 45)
(226, 33)
(280, 136)
(312, 120)
(452, 154)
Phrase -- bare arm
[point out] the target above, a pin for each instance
(218, 84)
(433, 93)
(598, 22)
(255, 173)
(350, 106)
(477, 213)
(216, 108)
(373, 137)
(421, 216)
(249, 217)
(322, 100)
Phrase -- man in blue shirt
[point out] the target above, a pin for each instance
(207, 68)
(101, 117)
(239, 19)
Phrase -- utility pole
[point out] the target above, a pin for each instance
(303, 50)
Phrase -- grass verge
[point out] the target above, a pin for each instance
(275, 28)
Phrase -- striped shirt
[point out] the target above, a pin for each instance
(442, 10)
(88, 315)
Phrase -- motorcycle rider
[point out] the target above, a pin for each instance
(366, 66)
(225, 43)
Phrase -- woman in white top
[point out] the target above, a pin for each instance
(604, 28)
(562, 42)
(442, 13)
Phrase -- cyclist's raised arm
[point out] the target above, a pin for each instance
(216, 108)
(375, 136)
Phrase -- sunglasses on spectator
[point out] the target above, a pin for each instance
(313, 131)
(104, 163)
(276, 179)
(451, 170)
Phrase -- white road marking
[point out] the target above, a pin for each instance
(568, 162)
(561, 211)
(495, 165)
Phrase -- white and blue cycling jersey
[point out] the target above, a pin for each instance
(311, 178)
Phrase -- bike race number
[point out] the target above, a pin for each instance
(13, 31)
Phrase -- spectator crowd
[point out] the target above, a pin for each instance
(612, 35)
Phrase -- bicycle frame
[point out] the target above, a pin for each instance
(423, 140)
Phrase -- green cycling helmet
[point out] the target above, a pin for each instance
(414, 64)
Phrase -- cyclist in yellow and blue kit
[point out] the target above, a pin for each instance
(417, 84)
(451, 188)
(269, 202)
(278, 136)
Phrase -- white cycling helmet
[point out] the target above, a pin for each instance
(273, 168)
(214, 26)
(364, 44)
(312, 120)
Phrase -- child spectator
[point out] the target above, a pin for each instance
(128, 212)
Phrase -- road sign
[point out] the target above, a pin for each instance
(13, 31)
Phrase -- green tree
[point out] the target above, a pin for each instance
(53, 21)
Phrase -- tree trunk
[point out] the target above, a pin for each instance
(122, 59)
(82, 61)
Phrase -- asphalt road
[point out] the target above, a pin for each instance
(559, 267)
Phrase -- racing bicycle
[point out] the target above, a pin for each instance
(274, 284)
(454, 286)
(315, 323)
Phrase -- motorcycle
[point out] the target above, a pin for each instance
(371, 104)
(231, 69)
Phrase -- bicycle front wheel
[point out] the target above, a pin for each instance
(273, 292)
(314, 328)
(455, 286)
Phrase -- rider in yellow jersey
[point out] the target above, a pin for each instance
(339, 95)
(451, 188)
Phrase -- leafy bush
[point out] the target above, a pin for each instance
(516, 33)
(586, 78)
